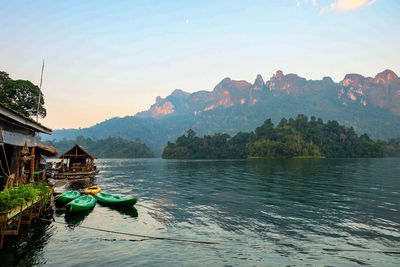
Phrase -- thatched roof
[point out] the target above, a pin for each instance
(46, 150)
(77, 151)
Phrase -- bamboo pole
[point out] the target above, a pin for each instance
(40, 89)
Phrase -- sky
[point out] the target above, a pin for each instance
(107, 59)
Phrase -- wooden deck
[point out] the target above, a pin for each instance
(75, 175)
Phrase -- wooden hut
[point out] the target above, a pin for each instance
(42, 151)
(18, 142)
(77, 162)
(19, 155)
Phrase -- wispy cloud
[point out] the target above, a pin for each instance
(299, 2)
(346, 5)
(338, 5)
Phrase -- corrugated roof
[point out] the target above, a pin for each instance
(21, 120)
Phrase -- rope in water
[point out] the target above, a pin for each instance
(204, 242)
(360, 250)
(131, 234)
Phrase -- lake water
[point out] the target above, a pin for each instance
(261, 213)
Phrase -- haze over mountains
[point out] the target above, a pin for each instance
(370, 105)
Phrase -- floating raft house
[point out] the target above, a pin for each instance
(20, 164)
(77, 163)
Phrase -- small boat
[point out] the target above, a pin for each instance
(109, 199)
(82, 203)
(93, 190)
(69, 196)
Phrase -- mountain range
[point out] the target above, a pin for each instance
(369, 105)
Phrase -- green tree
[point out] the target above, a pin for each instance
(22, 96)
(266, 130)
(291, 138)
(111, 147)
(392, 148)
(4, 77)
(283, 122)
(191, 134)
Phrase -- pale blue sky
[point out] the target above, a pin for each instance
(112, 58)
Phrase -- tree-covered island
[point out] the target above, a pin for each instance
(300, 137)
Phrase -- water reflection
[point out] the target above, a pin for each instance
(286, 210)
(81, 185)
(26, 249)
(74, 219)
(129, 211)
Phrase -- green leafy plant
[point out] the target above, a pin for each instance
(17, 196)
(44, 192)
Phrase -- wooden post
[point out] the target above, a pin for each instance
(32, 168)
(2, 231)
(14, 164)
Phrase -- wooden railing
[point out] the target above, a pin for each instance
(78, 167)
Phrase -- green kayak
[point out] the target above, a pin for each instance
(69, 196)
(82, 203)
(109, 199)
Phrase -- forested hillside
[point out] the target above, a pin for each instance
(291, 138)
(369, 105)
(112, 147)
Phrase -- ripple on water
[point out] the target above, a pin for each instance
(264, 212)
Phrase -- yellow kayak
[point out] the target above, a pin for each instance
(93, 190)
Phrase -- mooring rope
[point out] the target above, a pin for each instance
(206, 242)
(9, 181)
(131, 234)
(360, 250)
(5, 157)
(2, 169)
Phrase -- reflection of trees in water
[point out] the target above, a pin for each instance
(305, 180)
(294, 168)
(26, 249)
(213, 192)
(232, 193)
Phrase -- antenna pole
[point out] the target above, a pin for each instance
(40, 88)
